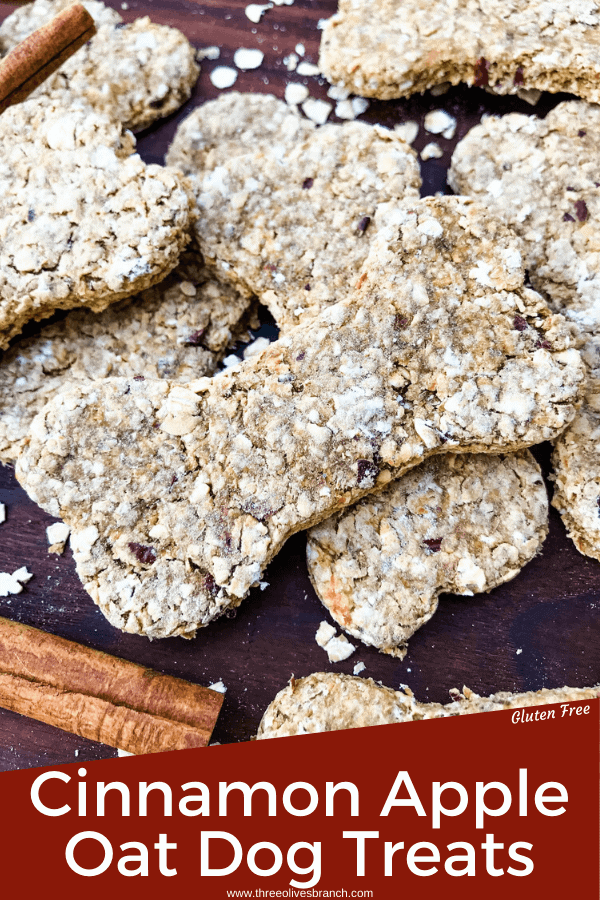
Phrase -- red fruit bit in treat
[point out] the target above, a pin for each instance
(581, 133)
(270, 267)
(138, 378)
(543, 345)
(434, 544)
(307, 287)
(400, 322)
(363, 224)
(145, 555)
(519, 79)
(520, 323)
(568, 218)
(300, 356)
(195, 337)
(210, 585)
(367, 471)
(308, 183)
(482, 72)
(581, 210)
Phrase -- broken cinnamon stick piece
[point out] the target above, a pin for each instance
(100, 697)
(42, 53)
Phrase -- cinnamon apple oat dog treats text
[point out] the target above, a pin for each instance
(395, 48)
(293, 221)
(232, 125)
(178, 497)
(134, 73)
(83, 221)
(457, 524)
(327, 701)
(178, 329)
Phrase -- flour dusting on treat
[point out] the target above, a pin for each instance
(395, 48)
(232, 125)
(179, 329)
(456, 524)
(134, 73)
(329, 701)
(178, 497)
(576, 463)
(542, 177)
(258, 213)
(83, 221)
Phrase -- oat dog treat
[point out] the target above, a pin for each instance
(293, 221)
(395, 48)
(576, 462)
(177, 497)
(327, 701)
(83, 221)
(134, 73)
(457, 524)
(178, 329)
(232, 125)
(542, 177)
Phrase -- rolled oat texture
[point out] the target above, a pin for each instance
(178, 497)
(328, 701)
(457, 524)
(259, 211)
(83, 221)
(179, 329)
(134, 73)
(395, 48)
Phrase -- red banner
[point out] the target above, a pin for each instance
(484, 805)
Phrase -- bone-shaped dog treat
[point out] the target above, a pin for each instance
(178, 497)
(327, 701)
(395, 48)
(83, 221)
(456, 524)
(179, 329)
(294, 220)
(133, 73)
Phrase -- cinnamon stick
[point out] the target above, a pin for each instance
(42, 53)
(100, 697)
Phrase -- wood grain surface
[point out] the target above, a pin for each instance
(540, 630)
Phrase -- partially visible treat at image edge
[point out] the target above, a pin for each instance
(459, 524)
(327, 701)
(396, 48)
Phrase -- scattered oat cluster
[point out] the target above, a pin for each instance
(425, 344)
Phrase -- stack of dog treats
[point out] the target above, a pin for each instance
(424, 345)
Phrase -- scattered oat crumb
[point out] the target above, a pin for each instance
(360, 105)
(358, 668)
(431, 151)
(337, 648)
(123, 752)
(317, 110)
(295, 93)
(290, 62)
(306, 68)
(231, 360)
(438, 121)
(124, 5)
(263, 585)
(408, 131)
(321, 24)
(300, 49)
(255, 347)
(283, 2)
(248, 58)
(208, 53)
(223, 77)
(218, 686)
(529, 95)
(350, 109)
(439, 89)
(519, 652)
(13, 584)
(57, 535)
(77, 753)
(2, 513)
(338, 92)
(254, 11)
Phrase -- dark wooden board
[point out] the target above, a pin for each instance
(542, 629)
